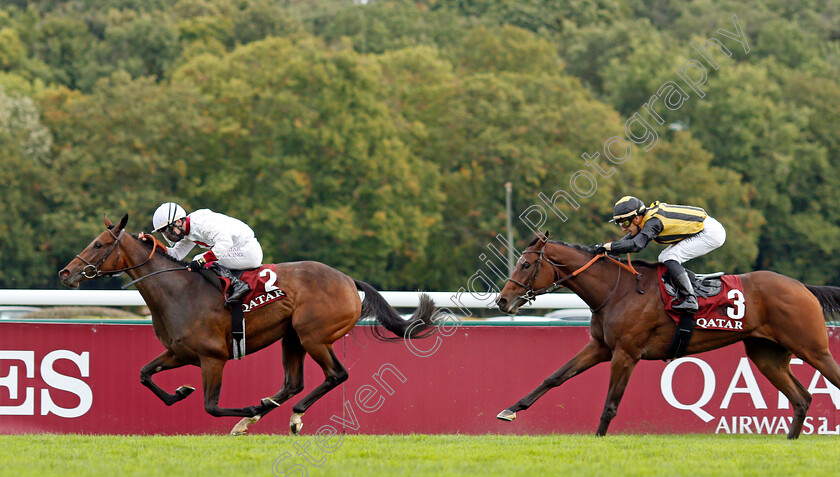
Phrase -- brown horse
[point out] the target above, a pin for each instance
(782, 317)
(190, 320)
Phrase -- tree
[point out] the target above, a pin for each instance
(24, 184)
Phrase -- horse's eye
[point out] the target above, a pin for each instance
(97, 245)
(526, 266)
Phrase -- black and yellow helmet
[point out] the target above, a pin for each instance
(627, 207)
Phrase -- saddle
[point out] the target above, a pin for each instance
(705, 285)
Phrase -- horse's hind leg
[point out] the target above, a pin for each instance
(293, 355)
(773, 361)
(166, 360)
(334, 374)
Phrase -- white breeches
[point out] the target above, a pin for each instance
(247, 255)
(712, 237)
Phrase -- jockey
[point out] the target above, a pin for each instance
(232, 243)
(688, 231)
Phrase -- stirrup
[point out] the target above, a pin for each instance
(682, 306)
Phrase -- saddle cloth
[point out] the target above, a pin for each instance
(723, 310)
(264, 289)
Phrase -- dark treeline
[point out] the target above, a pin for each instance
(378, 138)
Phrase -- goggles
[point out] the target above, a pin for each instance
(625, 222)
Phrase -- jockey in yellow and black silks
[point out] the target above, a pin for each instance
(688, 231)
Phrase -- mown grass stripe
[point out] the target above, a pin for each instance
(404, 455)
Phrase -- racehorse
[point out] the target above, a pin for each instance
(189, 318)
(783, 317)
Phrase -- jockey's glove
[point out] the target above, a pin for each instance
(598, 248)
(198, 263)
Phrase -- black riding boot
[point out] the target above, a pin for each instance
(689, 302)
(238, 288)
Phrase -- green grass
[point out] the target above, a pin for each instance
(410, 455)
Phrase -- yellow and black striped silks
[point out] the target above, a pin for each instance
(679, 221)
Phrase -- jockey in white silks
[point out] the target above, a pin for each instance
(232, 244)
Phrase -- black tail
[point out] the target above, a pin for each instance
(829, 298)
(420, 325)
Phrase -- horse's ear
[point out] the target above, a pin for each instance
(108, 222)
(122, 223)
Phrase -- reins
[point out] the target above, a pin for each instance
(132, 282)
(531, 293)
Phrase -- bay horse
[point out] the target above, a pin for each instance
(783, 317)
(189, 318)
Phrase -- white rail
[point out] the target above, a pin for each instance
(451, 300)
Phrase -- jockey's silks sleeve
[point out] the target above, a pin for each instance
(636, 243)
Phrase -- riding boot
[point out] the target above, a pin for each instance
(238, 288)
(689, 302)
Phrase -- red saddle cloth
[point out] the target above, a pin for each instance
(264, 289)
(724, 311)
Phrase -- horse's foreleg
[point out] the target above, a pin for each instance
(621, 367)
(211, 377)
(293, 355)
(593, 353)
(166, 360)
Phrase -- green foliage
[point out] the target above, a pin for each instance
(12, 50)
(379, 137)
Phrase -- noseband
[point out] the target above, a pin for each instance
(92, 270)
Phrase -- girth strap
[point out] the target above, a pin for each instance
(238, 326)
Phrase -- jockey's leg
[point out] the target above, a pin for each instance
(238, 288)
(245, 256)
(712, 237)
(689, 303)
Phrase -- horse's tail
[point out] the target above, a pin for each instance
(829, 298)
(420, 325)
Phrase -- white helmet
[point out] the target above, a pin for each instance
(166, 214)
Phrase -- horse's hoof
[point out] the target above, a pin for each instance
(269, 403)
(296, 424)
(241, 427)
(506, 415)
(184, 391)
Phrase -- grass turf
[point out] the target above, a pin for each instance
(406, 455)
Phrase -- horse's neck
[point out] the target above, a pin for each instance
(161, 290)
(591, 285)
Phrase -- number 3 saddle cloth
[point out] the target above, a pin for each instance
(720, 298)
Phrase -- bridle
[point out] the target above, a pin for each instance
(92, 270)
(531, 294)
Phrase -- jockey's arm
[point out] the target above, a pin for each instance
(636, 243)
(180, 249)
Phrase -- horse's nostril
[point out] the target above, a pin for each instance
(502, 302)
(64, 273)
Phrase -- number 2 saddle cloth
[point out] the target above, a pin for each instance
(720, 298)
(264, 289)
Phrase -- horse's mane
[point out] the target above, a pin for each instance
(149, 244)
(588, 249)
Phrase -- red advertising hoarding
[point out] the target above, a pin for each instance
(84, 378)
